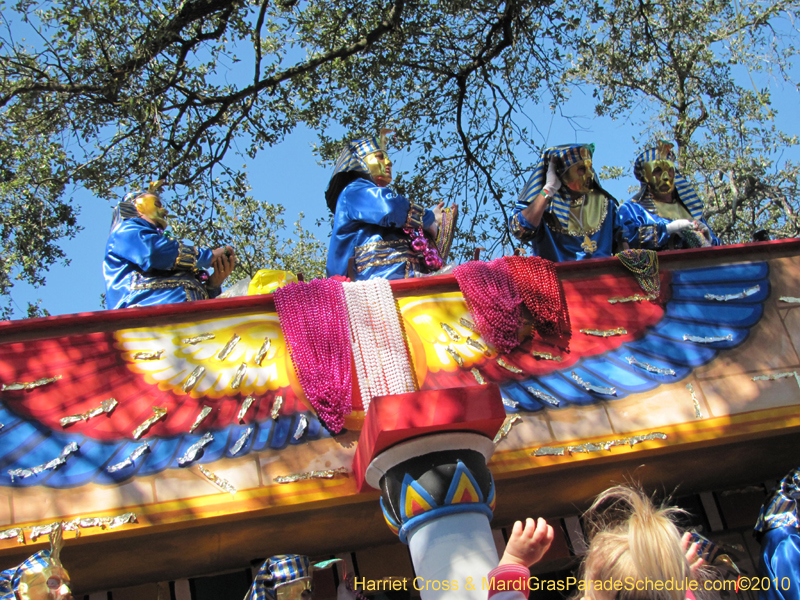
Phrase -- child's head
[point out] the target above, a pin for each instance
(631, 543)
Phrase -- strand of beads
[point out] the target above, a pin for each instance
(382, 363)
(402, 375)
(542, 292)
(314, 321)
(644, 266)
(421, 245)
(493, 301)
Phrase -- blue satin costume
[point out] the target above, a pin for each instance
(778, 528)
(143, 267)
(644, 227)
(550, 239)
(368, 224)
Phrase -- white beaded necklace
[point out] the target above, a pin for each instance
(381, 357)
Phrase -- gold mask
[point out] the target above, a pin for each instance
(149, 205)
(380, 168)
(660, 175)
(49, 583)
(301, 589)
(580, 176)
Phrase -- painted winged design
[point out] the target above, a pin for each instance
(219, 363)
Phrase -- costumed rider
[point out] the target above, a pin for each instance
(40, 577)
(778, 530)
(143, 266)
(666, 212)
(290, 577)
(563, 212)
(378, 233)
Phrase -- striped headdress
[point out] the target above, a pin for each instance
(711, 553)
(10, 578)
(279, 572)
(781, 509)
(353, 155)
(686, 191)
(565, 156)
(126, 209)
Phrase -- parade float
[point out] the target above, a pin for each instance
(177, 441)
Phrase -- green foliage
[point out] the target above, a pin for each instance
(256, 229)
(672, 67)
(100, 93)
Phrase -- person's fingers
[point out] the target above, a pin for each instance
(543, 531)
(229, 264)
(693, 552)
(696, 566)
(517, 530)
(536, 528)
(550, 533)
(686, 541)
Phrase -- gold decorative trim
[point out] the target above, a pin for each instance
(555, 225)
(416, 214)
(187, 257)
(518, 230)
(167, 283)
(647, 234)
(382, 253)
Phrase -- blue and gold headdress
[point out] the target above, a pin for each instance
(353, 155)
(781, 508)
(284, 577)
(10, 578)
(126, 209)
(686, 191)
(565, 156)
(33, 567)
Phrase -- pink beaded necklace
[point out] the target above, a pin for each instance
(493, 301)
(314, 322)
(542, 292)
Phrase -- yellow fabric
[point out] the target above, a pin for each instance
(672, 211)
(267, 281)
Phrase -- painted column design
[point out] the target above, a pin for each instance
(438, 496)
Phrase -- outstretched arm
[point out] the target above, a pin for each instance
(525, 547)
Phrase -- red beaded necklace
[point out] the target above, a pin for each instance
(314, 322)
(493, 301)
(542, 292)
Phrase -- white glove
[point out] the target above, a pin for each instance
(679, 225)
(553, 183)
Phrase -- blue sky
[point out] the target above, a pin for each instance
(289, 174)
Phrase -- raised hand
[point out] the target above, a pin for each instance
(527, 544)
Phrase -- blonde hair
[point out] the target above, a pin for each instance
(631, 540)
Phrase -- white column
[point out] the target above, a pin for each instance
(453, 548)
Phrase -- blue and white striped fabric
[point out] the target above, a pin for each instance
(686, 191)
(276, 571)
(565, 156)
(9, 579)
(353, 155)
(124, 210)
(781, 509)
